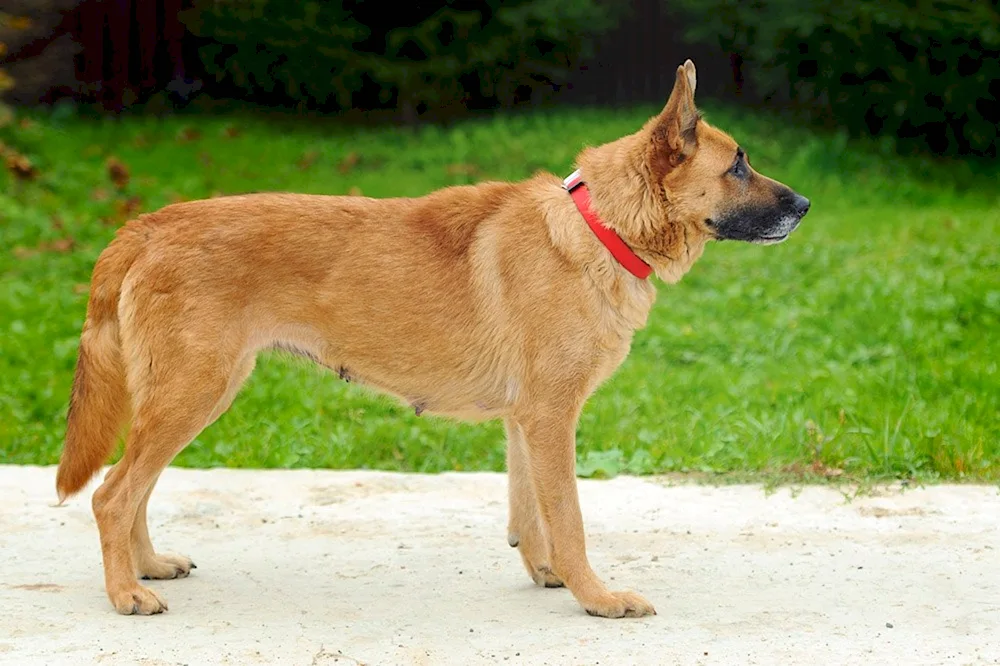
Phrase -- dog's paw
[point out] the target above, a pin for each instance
(166, 566)
(620, 604)
(138, 600)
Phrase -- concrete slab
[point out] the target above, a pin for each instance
(322, 567)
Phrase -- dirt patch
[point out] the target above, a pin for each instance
(37, 587)
(885, 512)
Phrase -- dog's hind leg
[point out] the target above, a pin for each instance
(148, 563)
(524, 530)
(173, 404)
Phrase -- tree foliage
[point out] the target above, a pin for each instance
(395, 55)
(925, 71)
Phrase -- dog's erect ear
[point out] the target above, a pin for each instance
(674, 130)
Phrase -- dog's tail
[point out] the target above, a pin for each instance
(99, 402)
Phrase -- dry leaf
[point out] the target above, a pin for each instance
(308, 159)
(19, 165)
(128, 208)
(462, 170)
(821, 469)
(18, 23)
(232, 132)
(350, 161)
(189, 134)
(99, 194)
(355, 191)
(81, 288)
(58, 245)
(118, 172)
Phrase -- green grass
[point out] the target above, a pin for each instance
(868, 343)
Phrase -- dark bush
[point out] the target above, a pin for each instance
(408, 56)
(36, 53)
(924, 71)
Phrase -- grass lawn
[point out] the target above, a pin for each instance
(866, 346)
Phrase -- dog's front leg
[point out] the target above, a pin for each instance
(550, 441)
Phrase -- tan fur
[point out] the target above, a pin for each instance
(478, 302)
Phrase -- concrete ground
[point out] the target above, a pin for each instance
(320, 567)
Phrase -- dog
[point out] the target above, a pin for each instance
(499, 300)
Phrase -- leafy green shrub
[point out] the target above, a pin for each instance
(921, 70)
(395, 55)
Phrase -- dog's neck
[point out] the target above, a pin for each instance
(626, 198)
(623, 196)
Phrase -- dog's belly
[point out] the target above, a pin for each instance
(471, 391)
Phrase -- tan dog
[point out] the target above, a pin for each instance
(490, 301)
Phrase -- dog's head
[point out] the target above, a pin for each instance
(704, 179)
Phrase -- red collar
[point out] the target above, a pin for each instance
(623, 253)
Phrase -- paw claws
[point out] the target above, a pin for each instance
(140, 601)
(622, 604)
(166, 567)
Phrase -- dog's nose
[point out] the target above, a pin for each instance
(801, 205)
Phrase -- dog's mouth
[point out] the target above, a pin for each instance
(761, 225)
(769, 240)
(773, 234)
(779, 232)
